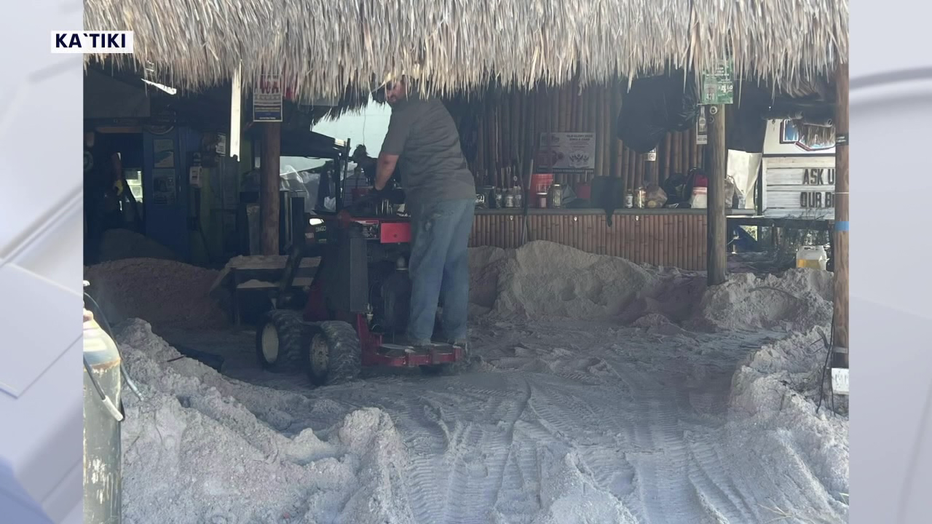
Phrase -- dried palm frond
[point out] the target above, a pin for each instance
(456, 45)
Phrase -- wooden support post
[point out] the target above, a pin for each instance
(717, 245)
(840, 246)
(269, 186)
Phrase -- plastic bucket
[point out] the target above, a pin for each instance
(813, 257)
(700, 199)
(540, 183)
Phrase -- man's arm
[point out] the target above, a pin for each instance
(384, 170)
(399, 126)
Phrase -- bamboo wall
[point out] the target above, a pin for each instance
(500, 131)
(501, 128)
(663, 239)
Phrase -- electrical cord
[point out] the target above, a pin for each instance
(116, 413)
(829, 345)
(109, 330)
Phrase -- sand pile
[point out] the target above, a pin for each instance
(194, 454)
(773, 415)
(797, 301)
(162, 292)
(544, 279)
(120, 244)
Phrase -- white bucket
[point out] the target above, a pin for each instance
(700, 199)
(813, 257)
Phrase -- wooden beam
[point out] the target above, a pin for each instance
(269, 186)
(840, 246)
(717, 247)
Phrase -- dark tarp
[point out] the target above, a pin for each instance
(655, 106)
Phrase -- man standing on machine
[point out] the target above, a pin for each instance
(440, 192)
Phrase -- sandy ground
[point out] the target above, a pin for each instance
(668, 404)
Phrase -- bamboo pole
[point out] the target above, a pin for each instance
(840, 247)
(607, 131)
(517, 130)
(677, 165)
(507, 135)
(615, 141)
(534, 105)
(600, 143)
(499, 157)
(593, 110)
(527, 124)
(269, 196)
(716, 245)
(560, 95)
(619, 158)
(694, 147)
(579, 105)
(641, 171)
(490, 137)
(574, 109)
(480, 148)
(553, 100)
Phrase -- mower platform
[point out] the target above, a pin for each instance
(398, 355)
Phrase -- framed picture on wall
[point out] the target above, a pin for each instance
(788, 132)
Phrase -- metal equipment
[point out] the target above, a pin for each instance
(357, 306)
(103, 415)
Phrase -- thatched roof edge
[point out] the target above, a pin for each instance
(323, 47)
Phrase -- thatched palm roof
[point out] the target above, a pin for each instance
(324, 46)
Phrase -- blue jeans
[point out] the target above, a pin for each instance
(439, 268)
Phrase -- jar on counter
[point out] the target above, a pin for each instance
(629, 199)
(555, 198)
(509, 200)
(542, 200)
(499, 198)
(641, 198)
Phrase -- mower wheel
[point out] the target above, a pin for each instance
(281, 339)
(334, 355)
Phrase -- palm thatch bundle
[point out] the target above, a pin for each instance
(321, 48)
(815, 135)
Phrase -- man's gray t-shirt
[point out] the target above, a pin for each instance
(422, 133)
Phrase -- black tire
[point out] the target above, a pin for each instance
(290, 334)
(334, 355)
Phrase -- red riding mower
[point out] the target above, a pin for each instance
(358, 303)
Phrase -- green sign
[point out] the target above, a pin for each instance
(718, 86)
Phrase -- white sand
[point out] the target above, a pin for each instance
(561, 421)
(193, 453)
(163, 292)
(120, 244)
